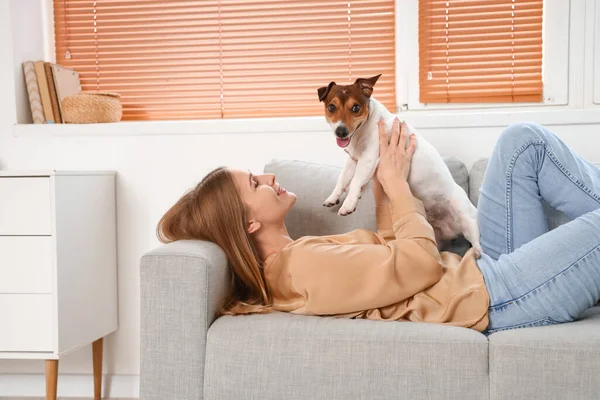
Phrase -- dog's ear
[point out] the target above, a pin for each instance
(324, 91)
(366, 84)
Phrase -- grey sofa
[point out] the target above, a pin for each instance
(188, 355)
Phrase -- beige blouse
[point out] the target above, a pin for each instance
(394, 274)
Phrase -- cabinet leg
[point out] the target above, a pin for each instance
(51, 379)
(97, 360)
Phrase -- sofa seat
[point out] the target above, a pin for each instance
(559, 362)
(285, 356)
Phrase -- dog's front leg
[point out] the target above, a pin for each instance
(342, 183)
(364, 171)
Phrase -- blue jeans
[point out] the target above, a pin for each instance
(535, 276)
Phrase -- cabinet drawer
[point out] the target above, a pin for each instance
(25, 206)
(26, 322)
(25, 264)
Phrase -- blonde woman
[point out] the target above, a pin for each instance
(527, 276)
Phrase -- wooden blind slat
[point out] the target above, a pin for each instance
(292, 47)
(228, 58)
(257, 23)
(495, 23)
(480, 51)
(475, 42)
(119, 16)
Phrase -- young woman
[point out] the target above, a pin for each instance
(527, 276)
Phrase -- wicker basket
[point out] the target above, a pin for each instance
(91, 107)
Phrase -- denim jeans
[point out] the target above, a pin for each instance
(535, 276)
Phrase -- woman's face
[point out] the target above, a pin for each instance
(267, 202)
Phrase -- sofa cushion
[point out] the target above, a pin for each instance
(313, 183)
(476, 179)
(559, 362)
(285, 356)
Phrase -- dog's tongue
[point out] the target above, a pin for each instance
(342, 142)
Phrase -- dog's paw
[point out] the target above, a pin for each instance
(333, 199)
(477, 251)
(343, 212)
(331, 203)
(348, 207)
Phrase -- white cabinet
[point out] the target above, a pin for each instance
(29, 322)
(58, 265)
(25, 206)
(23, 270)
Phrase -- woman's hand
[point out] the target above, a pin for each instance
(394, 157)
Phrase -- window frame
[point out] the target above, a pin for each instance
(555, 50)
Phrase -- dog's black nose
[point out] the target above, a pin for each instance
(341, 132)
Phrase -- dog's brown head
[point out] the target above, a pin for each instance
(347, 106)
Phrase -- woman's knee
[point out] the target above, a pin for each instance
(520, 136)
(522, 132)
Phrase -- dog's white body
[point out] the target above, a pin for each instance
(448, 208)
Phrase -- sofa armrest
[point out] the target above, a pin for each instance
(183, 285)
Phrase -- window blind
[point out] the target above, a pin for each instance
(225, 59)
(480, 51)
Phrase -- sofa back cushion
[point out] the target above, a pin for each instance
(313, 183)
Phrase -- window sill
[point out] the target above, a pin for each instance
(492, 118)
(419, 119)
(193, 127)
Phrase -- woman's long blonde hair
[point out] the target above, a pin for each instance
(214, 211)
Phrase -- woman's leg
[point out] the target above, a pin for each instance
(530, 164)
(553, 278)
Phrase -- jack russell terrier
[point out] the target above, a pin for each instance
(353, 115)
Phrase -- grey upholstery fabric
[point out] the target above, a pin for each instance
(313, 183)
(183, 284)
(559, 362)
(284, 356)
(476, 179)
(459, 172)
(555, 218)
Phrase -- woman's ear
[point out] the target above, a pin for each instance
(253, 226)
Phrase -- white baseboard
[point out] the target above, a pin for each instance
(69, 385)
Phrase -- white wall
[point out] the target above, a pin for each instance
(26, 19)
(154, 169)
(7, 81)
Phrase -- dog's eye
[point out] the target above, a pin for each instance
(355, 108)
(331, 108)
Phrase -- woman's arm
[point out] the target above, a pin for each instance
(382, 210)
